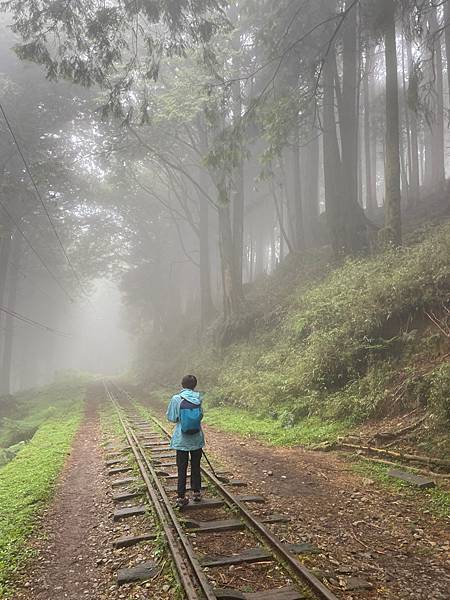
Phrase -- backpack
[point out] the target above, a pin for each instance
(190, 417)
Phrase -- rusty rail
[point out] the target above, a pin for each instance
(192, 578)
(297, 570)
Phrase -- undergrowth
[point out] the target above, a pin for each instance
(27, 482)
(436, 499)
(308, 432)
(21, 415)
(339, 348)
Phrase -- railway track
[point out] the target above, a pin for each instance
(147, 443)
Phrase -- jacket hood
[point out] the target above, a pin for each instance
(194, 397)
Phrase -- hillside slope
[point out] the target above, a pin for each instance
(367, 339)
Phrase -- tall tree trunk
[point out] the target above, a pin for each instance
(414, 134)
(309, 158)
(349, 117)
(231, 296)
(392, 203)
(207, 308)
(345, 217)
(371, 201)
(291, 159)
(206, 303)
(331, 159)
(11, 297)
(447, 40)
(238, 173)
(407, 166)
(437, 129)
(5, 253)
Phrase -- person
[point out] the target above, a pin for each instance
(185, 409)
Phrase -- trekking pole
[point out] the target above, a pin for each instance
(219, 477)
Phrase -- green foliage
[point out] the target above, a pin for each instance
(278, 432)
(335, 350)
(21, 415)
(98, 45)
(439, 393)
(26, 485)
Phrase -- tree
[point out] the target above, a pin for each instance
(107, 45)
(392, 232)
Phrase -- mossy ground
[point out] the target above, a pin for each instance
(340, 349)
(436, 499)
(308, 432)
(27, 482)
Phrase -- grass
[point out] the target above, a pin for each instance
(334, 333)
(436, 499)
(273, 430)
(308, 432)
(23, 414)
(27, 482)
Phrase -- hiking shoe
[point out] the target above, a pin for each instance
(182, 502)
(197, 496)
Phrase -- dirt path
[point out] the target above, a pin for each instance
(76, 528)
(368, 536)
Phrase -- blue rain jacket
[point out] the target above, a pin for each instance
(180, 440)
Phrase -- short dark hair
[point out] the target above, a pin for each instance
(189, 382)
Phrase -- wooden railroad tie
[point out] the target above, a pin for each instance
(285, 593)
(130, 511)
(229, 524)
(416, 480)
(143, 572)
(253, 555)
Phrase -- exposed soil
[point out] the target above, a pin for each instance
(368, 536)
(75, 558)
(384, 543)
(75, 528)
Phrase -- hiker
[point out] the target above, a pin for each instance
(185, 409)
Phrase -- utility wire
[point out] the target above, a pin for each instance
(41, 260)
(34, 323)
(38, 194)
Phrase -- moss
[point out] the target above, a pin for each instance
(278, 432)
(28, 481)
(21, 415)
(340, 343)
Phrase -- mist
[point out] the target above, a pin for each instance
(195, 178)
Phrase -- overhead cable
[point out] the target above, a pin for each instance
(38, 194)
(41, 260)
(34, 323)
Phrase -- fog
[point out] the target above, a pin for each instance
(100, 344)
(144, 193)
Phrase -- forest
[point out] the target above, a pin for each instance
(252, 191)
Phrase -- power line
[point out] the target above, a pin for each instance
(30, 281)
(34, 323)
(38, 194)
(41, 260)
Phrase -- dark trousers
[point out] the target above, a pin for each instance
(182, 464)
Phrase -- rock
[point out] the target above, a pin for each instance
(355, 583)
(367, 481)
(344, 570)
